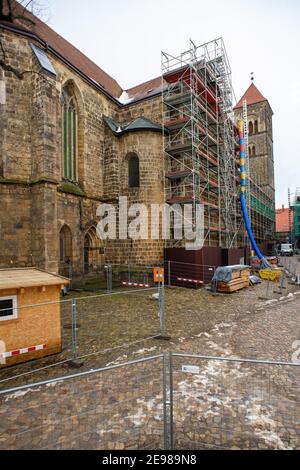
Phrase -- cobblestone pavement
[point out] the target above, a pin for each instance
(225, 404)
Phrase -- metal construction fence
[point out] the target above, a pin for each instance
(291, 264)
(117, 407)
(177, 273)
(186, 402)
(231, 403)
(277, 282)
(84, 325)
(109, 277)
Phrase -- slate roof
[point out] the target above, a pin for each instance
(139, 124)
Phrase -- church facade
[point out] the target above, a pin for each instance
(60, 157)
(71, 139)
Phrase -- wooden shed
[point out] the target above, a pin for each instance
(30, 325)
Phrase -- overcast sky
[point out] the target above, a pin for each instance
(125, 38)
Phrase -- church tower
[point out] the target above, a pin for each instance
(261, 162)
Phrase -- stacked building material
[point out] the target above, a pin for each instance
(232, 278)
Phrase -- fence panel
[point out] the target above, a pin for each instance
(120, 407)
(111, 277)
(220, 403)
(187, 274)
(114, 320)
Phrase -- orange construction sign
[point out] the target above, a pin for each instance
(158, 275)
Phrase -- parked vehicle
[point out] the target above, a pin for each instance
(286, 249)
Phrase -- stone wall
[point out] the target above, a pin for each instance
(36, 202)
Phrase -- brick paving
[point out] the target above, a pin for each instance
(227, 405)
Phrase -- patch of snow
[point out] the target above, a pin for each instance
(138, 418)
(204, 333)
(154, 296)
(264, 426)
(52, 384)
(145, 350)
(223, 325)
(124, 98)
(104, 431)
(117, 361)
(20, 393)
(218, 348)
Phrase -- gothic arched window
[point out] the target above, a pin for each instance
(69, 136)
(133, 171)
(256, 127)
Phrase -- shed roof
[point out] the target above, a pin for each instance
(29, 277)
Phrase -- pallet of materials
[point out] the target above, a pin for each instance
(233, 286)
(231, 278)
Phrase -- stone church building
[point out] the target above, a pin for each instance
(71, 138)
(261, 162)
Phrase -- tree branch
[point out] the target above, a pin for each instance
(19, 74)
(10, 16)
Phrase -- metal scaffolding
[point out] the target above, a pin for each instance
(262, 210)
(295, 207)
(200, 138)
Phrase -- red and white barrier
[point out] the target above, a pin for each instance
(194, 281)
(135, 284)
(17, 352)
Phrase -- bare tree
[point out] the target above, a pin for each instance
(11, 11)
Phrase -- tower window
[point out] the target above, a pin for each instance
(256, 127)
(250, 128)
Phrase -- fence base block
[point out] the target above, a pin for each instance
(75, 364)
(165, 338)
